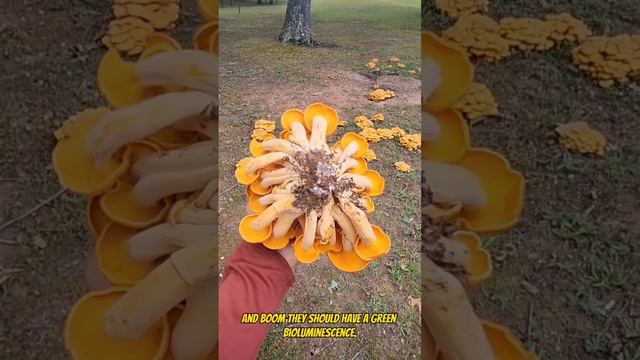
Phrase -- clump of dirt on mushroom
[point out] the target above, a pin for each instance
(319, 182)
(433, 232)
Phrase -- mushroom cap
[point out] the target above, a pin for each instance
(96, 218)
(75, 167)
(478, 266)
(279, 243)
(289, 117)
(304, 256)
(377, 183)
(440, 212)
(453, 141)
(118, 81)
(321, 110)
(284, 134)
(369, 206)
(379, 247)
(242, 176)
(255, 146)
(361, 168)
(504, 344)
(121, 207)
(456, 70)
(362, 143)
(254, 203)
(142, 148)
(157, 43)
(250, 235)
(206, 37)
(86, 340)
(112, 251)
(257, 188)
(504, 189)
(347, 261)
(208, 9)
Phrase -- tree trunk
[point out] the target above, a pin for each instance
(297, 28)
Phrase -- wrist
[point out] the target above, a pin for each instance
(288, 255)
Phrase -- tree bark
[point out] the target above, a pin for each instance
(297, 24)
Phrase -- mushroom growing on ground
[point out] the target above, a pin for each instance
(317, 196)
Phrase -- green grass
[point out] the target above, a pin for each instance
(374, 13)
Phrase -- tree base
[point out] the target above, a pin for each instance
(304, 39)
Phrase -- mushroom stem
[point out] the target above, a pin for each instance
(348, 231)
(318, 133)
(192, 69)
(277, 180)
(152, 188)
(430, 128)
(429, 347)
(348, 151)
(456, 329)
(166, 286)
(163, 239)
(310, 224)
(454, 252)
(359, 220)
(273, 197)
(326, 225)
(453, 183)
(272, 212)
(195, 335)
(284, 222)
(299, 135)
(192, 157)
(264, 160)
(431, 78)
(134, 122)
(209, 192)
(348, 164)
(191, 215)
(280, 145)
(276, 173)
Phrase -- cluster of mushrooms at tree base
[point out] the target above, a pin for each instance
(317, 196)
(466, 191)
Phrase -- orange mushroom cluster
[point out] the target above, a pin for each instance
(147, 165)
(134, 20)
(527, 34)
(580, 137)
(567, 28)
(373, 135)
(301, 190)
(487, 39)
(379, 95)
(478, 35)
(476, 191)
(609, 60)
(477, 103)
(402, 166)
(263, 129)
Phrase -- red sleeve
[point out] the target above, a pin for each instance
(255, 281)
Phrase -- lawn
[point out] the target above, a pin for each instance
(261, 78)
(564, 278)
